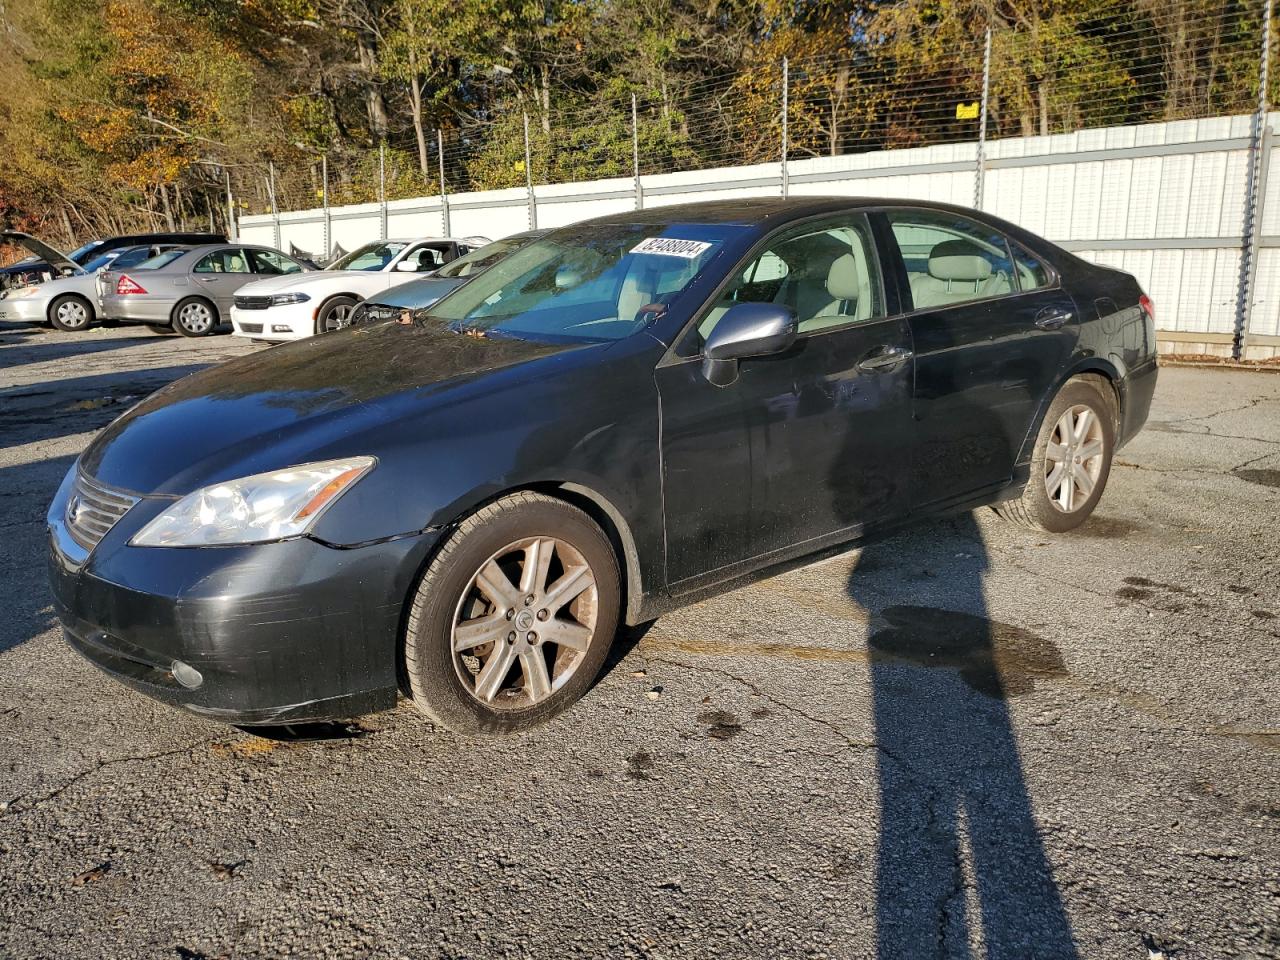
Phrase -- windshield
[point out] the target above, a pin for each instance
(589, 282)
(80, 253)
(160, 260)
(372, 256)
(101, 260)
(486, 256)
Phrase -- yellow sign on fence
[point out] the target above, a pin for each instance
(967, 111)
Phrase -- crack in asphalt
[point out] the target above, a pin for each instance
(18, 806)
(1247, 405)
(931, 796)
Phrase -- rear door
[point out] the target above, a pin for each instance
(218, 275)
(808, 446)
(992, 330)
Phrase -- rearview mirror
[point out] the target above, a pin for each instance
(746, 330)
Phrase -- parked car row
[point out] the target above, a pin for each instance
(193, 283)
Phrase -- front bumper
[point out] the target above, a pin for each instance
(287, 321)
(25, 309)
(279, 633)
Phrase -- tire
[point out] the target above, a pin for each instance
(70, 313)
(195, 317)
(1076, 493)
(333, 310)
(450, 687)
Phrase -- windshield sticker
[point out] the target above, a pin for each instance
(669, 247)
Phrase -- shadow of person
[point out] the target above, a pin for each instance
(955, 813)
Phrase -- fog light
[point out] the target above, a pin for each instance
(186, 674)
(281, 328)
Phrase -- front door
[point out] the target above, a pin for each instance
(808, 446)
(992, 331)
(220, 274)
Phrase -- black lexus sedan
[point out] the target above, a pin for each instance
(618, 418)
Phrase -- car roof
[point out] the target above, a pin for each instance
(757, 211)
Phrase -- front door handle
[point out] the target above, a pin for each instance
(1051, 318)
(885, 358)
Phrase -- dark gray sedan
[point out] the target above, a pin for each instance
(191, 290)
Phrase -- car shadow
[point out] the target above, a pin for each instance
(958, 831)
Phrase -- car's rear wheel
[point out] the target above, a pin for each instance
(1071, 461)
(195, 317)
(514, 617)
(70, 313)
(335, 313)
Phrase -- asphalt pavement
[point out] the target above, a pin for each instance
(966, 740)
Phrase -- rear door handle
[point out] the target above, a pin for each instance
(885, 358)
(1051, 318)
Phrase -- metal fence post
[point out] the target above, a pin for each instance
(1254, 184)
(275, 209)
(786, 110)
(528, 177)
(980, 172)
(444, 196)
(382, 191)
(635, 152)
(232, 220)
(324, 198)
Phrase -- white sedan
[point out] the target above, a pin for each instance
(298, 305)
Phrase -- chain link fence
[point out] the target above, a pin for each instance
(1137, 61)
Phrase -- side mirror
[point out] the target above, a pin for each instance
(746, 330)
(407, 266)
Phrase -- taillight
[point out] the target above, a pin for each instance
(127, 285)
(1149, 308)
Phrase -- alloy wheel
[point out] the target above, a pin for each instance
(338, 316)
(1074, 458)
(524, 624)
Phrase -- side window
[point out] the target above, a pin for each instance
(951, 260)
(826, 274)
(231, 260)
(1032, 273)
(268, 261)
(426, 259)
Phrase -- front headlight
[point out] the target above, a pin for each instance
(258, 509)
(280, 299)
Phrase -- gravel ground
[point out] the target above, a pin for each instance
(967, 739)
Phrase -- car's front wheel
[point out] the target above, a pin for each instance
(70, 313)
(1071, 461)
(335, 314)
(514, 617)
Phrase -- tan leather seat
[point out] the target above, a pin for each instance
(958, 271)
(845, 297)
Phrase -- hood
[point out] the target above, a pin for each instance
(288, 281)
(419, 293)
(305, 401)
(55, 258)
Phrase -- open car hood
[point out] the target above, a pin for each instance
(55, 258)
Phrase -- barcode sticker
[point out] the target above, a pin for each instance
(670, 247)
